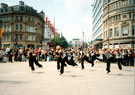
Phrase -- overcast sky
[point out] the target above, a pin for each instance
(72, 17)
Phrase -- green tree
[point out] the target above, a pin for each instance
(61, 41)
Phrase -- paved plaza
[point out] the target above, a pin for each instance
(18, 79)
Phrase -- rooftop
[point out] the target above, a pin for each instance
(76, 39)
(21, 8)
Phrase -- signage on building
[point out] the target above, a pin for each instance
(0, 32)
(125, 45)
(116, 46)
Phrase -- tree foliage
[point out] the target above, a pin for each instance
(61, 41)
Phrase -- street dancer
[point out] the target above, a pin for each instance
(32, 60)
(68, 58)
(111, 59)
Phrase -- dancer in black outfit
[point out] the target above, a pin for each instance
(58, 54)
(10, 55)
(90, 58)
(59, 60)
(67, 59)
(32, 60)
(110, 59)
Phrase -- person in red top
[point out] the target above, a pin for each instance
(36, 53)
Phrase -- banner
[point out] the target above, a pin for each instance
(0, 32)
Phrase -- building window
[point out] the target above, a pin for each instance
(16, 18)
(5, 28)
(116, 31)
(119, 17)
(31, 38)
(8, 28)
(124, 2)
(16, 37)
(21, 37)
(21, 18)
(10, 9)
(9, 18)
(4, 37)
(117, 4)
(33, 19)
(133, 15)
(124, 30)
(31, 29)
(1, 10)
(8, 37)
(133, 30)
(16, 27)
(106, 35)
(29, 18)
(130, 15)
(21, 26)
(110, 33)
(124, 16)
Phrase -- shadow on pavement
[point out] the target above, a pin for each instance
(38, 72)
(121, 75)
(12, 82)
(74, 76)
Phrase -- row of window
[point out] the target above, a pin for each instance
(77, 45)
(119, 2)
(97, 32)
(97, 16)
(117, 33)
(17, 18)
(96, 8)
(5, 19)
(7, 28)
(112, 19)
(115, 5)
(118, 18)
(98, 23)
(18, 27)
(31, 29)
(31, 38)
(17, 37)
(95, 3)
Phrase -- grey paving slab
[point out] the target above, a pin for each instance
(17, 79)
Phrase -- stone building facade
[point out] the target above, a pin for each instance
(22, 26)
(118, 23)
(76, 43)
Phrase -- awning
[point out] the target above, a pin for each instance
(96, 41)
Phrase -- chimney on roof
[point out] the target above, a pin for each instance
(3, 5)
(21, 3)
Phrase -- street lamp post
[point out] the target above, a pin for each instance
(15, 44)
(0, 33)
(133, 33)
